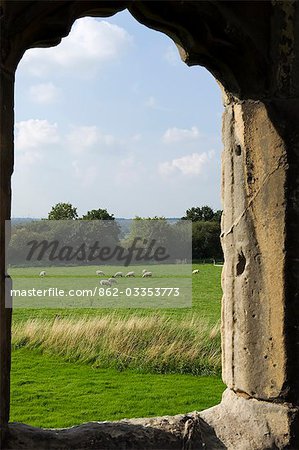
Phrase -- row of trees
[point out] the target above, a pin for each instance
(66, 211)
(205, 226)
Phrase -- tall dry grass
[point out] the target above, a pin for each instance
(151, 343)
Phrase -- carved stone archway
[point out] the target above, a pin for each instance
(252, 48)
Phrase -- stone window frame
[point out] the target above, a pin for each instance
(252, 50)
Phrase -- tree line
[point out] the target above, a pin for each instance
(205, 226)
(66, 211)
(205, 229)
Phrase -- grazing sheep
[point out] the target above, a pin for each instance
(42, 273)
(99, 272)
(105, 283)
(118, 274)
(130, 274)
(112, 280)
(147, 274)
(195, 271)
(144, 270)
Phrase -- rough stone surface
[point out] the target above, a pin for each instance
(181, 432)
(243, 423)
(253, 237)
(6, 167)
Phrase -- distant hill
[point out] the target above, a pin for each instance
(17, 220)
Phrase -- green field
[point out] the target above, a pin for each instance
(206, 292)
(48, 392)
(80, 364)
(83, 290)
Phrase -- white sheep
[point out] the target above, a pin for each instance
(147, 274)
(105, 283)
(144, 270)
(130, 274)
(118, 274)
(112, 280)
(195, 271)
(99, 272)
(42, 273)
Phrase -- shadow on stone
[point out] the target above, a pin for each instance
(181, 432)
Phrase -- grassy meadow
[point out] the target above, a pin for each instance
(49, 392)
(79, 364)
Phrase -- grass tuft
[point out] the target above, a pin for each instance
(153, 343)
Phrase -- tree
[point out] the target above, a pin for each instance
(207, 213)
(63, 211)
(206, 240)
(193, 214)
(203, 214)
(147, 230)
(101, 224)
(217, 216)
(98, 214)
(205, 232)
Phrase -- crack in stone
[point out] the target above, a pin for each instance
(281, 164)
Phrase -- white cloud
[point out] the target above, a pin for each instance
(44, 93)
(152, 103)
(188, 165)
(89, 44)
(34, 134)
(174, 134)
(31, 137)
(28, 158)
(84, 137)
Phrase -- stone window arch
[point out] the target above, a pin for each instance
(252, 50)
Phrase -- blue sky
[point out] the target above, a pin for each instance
(112, 118)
